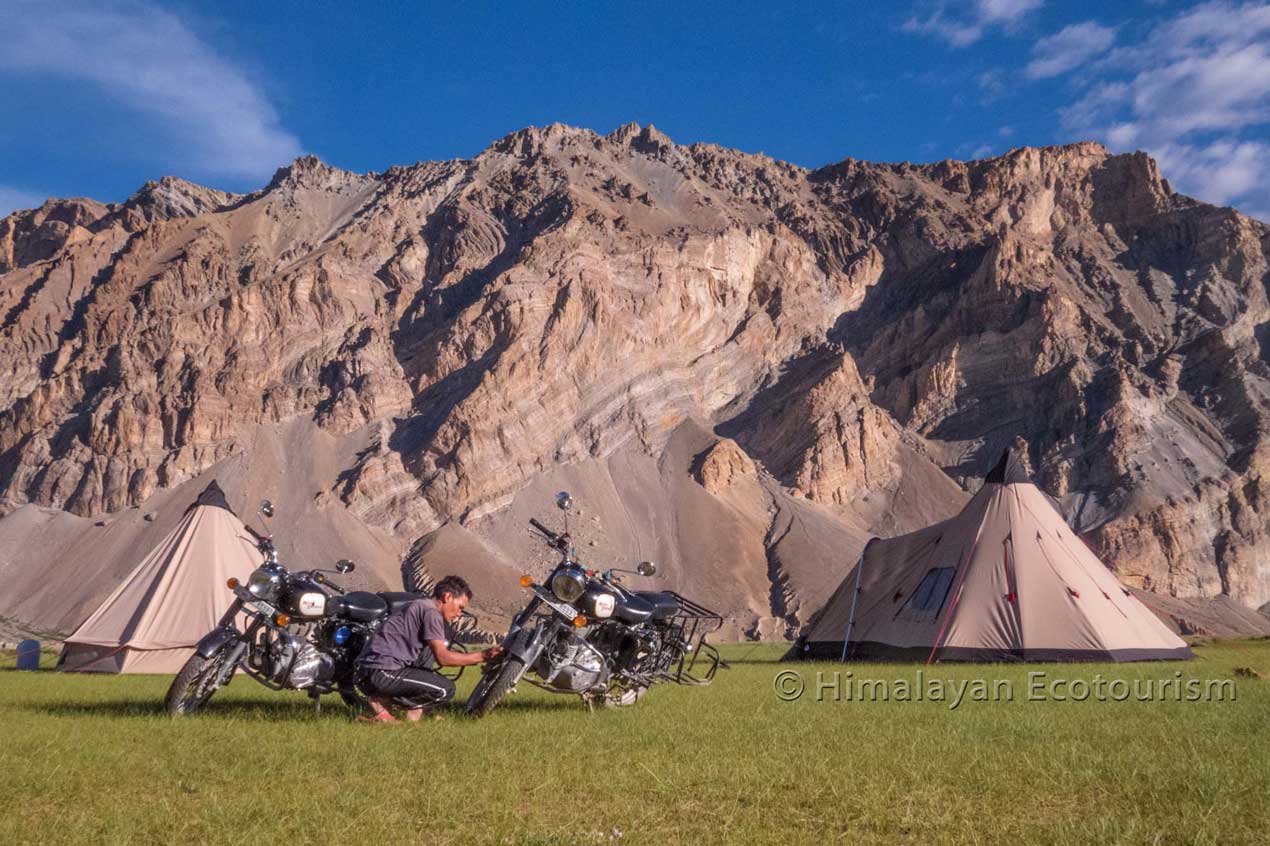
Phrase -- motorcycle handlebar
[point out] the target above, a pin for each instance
(555, 541)
(319, 577)
(540, 527)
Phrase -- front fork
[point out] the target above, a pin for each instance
(525, 613)
(227, 637)
(523, 643)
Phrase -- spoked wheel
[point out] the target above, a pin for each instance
(494, 686)
(194, 685)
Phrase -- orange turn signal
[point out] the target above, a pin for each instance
(232, 584)
(281, 619)
(526, 580)
(579, 621)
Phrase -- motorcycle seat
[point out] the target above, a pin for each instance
(633, 610)
(358, 605)
(399, 598)
(664, 604)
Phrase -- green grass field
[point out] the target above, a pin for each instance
(92, 759)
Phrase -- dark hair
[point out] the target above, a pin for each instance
(453, 585)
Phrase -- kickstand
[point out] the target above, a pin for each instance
(317, 701)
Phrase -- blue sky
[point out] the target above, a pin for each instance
(96, 98)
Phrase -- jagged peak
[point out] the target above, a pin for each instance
(308, 171)
(71, 211)
(171, 197)
(534, 139)
(646, 138)
(58, 207)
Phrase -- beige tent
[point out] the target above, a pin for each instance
(176, 595)
(1004, 580)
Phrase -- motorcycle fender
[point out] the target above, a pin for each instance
(525, 644)
(214, 641)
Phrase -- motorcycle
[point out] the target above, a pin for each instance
(583, 632)
(299, 631)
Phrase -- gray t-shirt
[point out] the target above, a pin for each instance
(402, 640)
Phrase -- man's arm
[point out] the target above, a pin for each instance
(447, 657)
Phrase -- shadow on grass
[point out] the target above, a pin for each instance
(298, 711)
(562, 703)
(234, 709)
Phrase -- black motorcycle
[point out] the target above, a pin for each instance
(585, 633)
(287, 630)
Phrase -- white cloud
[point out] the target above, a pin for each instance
(962, 24)
(1190, 92)
(1068, 48)
(12, 199)
(992, 84)
(981, 152)
(1226, 169)
(149, 60)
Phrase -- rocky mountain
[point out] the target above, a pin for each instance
(738, 366)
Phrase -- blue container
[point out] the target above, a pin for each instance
(29, 655)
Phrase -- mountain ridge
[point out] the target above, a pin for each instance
(566, 299)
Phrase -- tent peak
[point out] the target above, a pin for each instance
(212, 495)
(1009, 470)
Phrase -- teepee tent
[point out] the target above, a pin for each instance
(177, 594)
(1004, 580)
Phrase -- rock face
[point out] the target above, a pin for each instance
(846, 340)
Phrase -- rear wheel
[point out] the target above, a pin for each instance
(195, 684)
(494, 686)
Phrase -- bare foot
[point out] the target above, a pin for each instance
(381, 717)
(378, 713)
(414, 715)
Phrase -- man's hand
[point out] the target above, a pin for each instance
(491, 653)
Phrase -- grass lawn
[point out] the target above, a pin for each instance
(92, 759)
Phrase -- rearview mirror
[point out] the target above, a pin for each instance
(344, 566)
(646, 568)
(266, 508)
(563, 501)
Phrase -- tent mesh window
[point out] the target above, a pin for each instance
(929, 597)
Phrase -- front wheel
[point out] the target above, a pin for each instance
(494, 686)
(195, 684)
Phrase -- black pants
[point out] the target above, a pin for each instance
(409, 687)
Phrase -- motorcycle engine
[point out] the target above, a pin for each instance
(280, 652)
(312, 666)
(574, 668)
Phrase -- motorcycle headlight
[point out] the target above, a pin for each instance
(568, 584)
(262, 583)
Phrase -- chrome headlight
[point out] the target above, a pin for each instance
(568, 584)
(263, 582)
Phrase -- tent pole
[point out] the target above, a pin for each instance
(846, 640)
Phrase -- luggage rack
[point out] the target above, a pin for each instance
(690, 625)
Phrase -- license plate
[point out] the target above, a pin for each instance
(563, 608)
(258, 605)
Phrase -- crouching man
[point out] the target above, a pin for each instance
(396, 663)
